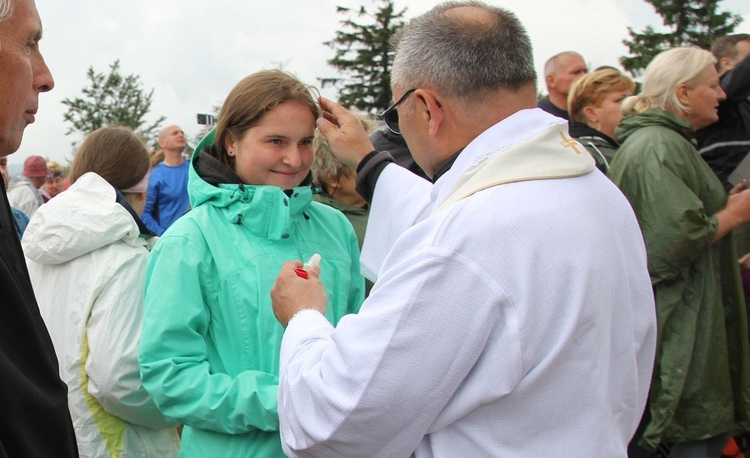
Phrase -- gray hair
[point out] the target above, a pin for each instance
(552, 66)
(463, 57)
(668, 70)
(6, 9)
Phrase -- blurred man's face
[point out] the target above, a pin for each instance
(743, 50)
(570, 68)
(172, 138)
(23, 73)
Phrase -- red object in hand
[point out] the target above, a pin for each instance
(302, 273)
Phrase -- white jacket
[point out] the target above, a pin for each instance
(87, 263)
(24, 196)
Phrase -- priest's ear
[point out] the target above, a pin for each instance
(430, 109)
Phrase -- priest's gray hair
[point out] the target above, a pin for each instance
(666, 72)
(463, 56)
(6, 9)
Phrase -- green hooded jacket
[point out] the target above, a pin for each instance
(701, 381)
(210, 349)
(356, 215)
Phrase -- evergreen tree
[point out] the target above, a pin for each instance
(364, 56)
(690, 23)
(112, 99)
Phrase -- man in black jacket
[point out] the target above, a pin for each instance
(34, 416)
(725, 144)
(560, 72)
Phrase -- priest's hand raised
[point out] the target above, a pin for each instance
(348, 139)
(292, 293)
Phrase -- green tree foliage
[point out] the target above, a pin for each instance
(364, 56)
(112, 98)
(689, 23)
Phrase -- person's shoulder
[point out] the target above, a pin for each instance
(328, 212)
(157, 171)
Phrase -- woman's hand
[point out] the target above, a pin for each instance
(736, 213)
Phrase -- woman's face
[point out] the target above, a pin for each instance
(278, 150)
(54, 186)
(609, 114)
(702, 99)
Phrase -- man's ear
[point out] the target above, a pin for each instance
(432, 110)
(550, 80)
(726, 64)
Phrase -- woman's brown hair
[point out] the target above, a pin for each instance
(251, 99)
(114, 153)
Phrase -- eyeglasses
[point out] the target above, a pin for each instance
(390, 115)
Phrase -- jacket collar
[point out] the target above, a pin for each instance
(267, 211)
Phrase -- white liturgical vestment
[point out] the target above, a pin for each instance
(512, 314)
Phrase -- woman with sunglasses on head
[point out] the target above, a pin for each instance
(53, 182)
(210, 355)
(86, 252)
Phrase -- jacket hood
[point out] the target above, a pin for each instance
(264, 209)
(660, 118)
(19, 182)
(78, 221)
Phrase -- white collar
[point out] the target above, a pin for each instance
(515, 129)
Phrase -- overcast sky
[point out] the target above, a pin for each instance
(192, 52)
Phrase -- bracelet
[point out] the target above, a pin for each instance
(297, 314)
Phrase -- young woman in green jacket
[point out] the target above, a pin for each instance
(210, 349)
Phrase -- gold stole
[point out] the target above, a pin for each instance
(548, 154)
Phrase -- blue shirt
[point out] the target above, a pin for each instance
(21, 221)
(167, 197)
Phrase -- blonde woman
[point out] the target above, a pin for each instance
(699, 393)
(53, 182)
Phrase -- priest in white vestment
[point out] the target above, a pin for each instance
(512, 313)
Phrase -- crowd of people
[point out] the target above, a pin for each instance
(559, 275)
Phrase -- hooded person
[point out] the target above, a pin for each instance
(210, 348)
(23, 192)
(86, 252)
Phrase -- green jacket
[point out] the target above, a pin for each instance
(356, 215)
(209, 353)
(701, 382)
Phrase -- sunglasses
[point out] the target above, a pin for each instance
(390, 115)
